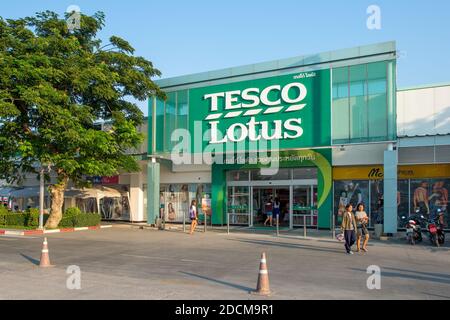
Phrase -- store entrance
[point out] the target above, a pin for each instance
(248, 193)
(264, 203)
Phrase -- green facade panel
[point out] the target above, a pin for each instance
(320, 159)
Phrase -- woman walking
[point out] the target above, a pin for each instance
(193, 215)
(269, 211)
(276, 210)
(361, 223)
(348, 227)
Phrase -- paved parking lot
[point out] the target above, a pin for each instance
(126, 263)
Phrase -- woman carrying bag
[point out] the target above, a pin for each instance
(349, 228)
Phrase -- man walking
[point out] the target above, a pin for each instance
(348, 227)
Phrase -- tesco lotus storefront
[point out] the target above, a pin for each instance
(233, 139)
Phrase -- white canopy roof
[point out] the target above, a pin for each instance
(98, 192)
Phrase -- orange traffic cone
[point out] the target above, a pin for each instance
(45, 259)
(262, 288)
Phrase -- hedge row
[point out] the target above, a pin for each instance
(72, 218)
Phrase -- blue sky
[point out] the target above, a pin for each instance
(183, 37)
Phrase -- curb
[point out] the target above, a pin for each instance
(37, 232)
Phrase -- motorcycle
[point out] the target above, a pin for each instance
(436, 229)
(413, 228)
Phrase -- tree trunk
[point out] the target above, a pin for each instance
(57, 196)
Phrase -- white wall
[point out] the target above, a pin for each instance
(369, 154)
(423, 111)
(166, 176)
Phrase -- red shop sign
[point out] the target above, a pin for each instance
(110, 180)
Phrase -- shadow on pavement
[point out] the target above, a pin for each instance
(436, 295)
(288, 245)
(32, 260)
(414, 275)
(229, 284)
(431, 274)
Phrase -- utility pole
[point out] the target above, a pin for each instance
(41, 198)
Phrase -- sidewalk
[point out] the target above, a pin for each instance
(19, 232)
(311, 233)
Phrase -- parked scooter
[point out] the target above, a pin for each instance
(413, 228)
(436, 229)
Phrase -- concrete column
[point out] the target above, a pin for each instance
(136, 197)
(390, 190)
(153, 173)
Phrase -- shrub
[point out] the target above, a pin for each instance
(32, 219)
(73, 218)
(16, 219)
(87, 220)
(33, 211)
(3, 210)
(72, 211)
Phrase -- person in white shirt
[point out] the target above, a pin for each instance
(361, 223)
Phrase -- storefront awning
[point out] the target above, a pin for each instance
(6, 192)
(28, 192)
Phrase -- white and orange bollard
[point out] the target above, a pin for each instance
(262, 287)
(45, 259)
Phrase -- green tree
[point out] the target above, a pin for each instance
(55, 85)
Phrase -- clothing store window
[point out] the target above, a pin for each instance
(350, 191)
(376, 202)
(175, 200)
(403, 208)
(429, 197)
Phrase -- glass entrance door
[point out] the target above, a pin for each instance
(238, 208)
(261, 206)
(304, 206)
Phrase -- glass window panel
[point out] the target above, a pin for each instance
(359, 128)
(357, 89)
(150, 126)
(182, 109)
(341, 123)
(238, 175)
(174, 202)
(403, 202)
(238, 208)
(428, 196)
(439, 199)
(391, 101)
(170, 120)
(358, 103)
(159, 123)
(377, 86)
(305, 173)
(335, 91)
(376, 202)
(377, 100)
(281, 174)
(340, 111)
(342, 90)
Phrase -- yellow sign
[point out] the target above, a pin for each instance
(404, 172)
